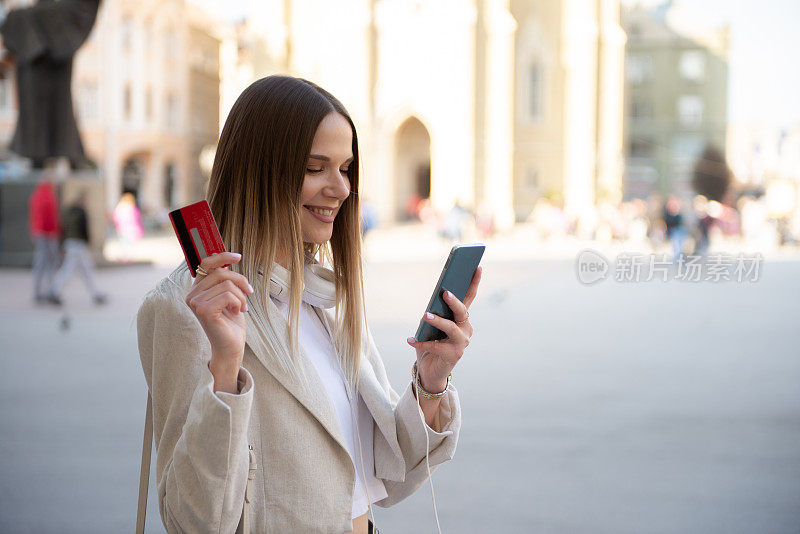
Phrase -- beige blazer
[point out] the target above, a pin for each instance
(305, 476)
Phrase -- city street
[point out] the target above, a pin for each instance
(659, 407)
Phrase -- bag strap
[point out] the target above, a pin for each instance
(144, 476)
(144, 471)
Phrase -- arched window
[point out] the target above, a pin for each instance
(533, 62)
(169, 185)
(5, 90)
(535, 91)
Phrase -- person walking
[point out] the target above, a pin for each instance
(272, 408)
(128, 222)
(45, 229)
(76, 253)
(675, 226)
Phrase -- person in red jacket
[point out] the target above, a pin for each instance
(45, 229)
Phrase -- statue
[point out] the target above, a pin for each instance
(44, 38)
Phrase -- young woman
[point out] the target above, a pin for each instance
(269, 388)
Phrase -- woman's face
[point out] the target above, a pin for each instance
(326, 184)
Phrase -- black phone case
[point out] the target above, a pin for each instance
(455, 277)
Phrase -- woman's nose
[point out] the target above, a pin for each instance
(340, 186)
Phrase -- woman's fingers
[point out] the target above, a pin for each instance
(222, 302)
(447, 326)
(458, 307)
(455, 344)
(460, 313)
(215, 277)
(452, 349)
(472, 291)
(220, 259)
(448, 351)
(219, 275)
(222, 287)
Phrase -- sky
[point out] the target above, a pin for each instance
(764, 68)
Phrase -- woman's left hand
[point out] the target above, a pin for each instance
(436, 359)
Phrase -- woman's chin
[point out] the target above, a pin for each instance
(318, 238)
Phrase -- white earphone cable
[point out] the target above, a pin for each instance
(354, 414)
(354, 405)
(361, 460)
(427, 463)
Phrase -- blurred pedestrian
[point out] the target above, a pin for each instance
(45, 229)
(484, 220)
(128, 222)
(703, 226)
(369, 218)
(412, 206)
(76, 253)
(676, 229)
(453, 226)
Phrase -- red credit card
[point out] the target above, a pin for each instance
(197, 233)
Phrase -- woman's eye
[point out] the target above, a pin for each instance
(313, 171)
(345, 171)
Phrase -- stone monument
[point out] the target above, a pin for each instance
(43, 39)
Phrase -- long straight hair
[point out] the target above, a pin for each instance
(254, 194)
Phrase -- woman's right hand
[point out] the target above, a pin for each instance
(219, 303)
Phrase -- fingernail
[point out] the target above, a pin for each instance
(428, 315)
(236, 254)
(250, 287)
(245, 307)
(449, 295)
(410, 339)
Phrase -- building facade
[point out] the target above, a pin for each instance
(491, 103)
(676, 93)
(146, 97)
(488, 103)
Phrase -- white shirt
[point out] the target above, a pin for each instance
(318, 346)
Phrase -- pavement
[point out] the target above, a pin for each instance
(650, 407)
(416, 241)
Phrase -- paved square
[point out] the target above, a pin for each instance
(661, 407)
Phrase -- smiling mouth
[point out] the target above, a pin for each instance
(321, 211)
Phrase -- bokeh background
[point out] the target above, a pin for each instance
(541, 128)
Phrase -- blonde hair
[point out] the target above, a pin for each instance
(254, 194)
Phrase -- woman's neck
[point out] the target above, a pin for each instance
(282, 258)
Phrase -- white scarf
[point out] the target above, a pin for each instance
(319, 285)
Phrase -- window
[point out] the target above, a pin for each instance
(210, 60)
(172, 43)
(641, 173)
(87, 98)
(126, 32)
(148, 36)
(692, 66)
(690, 110)
(639, 68)
(148, 104)
(169, 185)
(641, 148)
(641, 109)
(5, 90)
(172, 111)
(535, 82)
(127, 104)
(531, 180)
(686, 148)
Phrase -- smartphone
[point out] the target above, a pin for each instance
(197, 233)
(456, 277)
